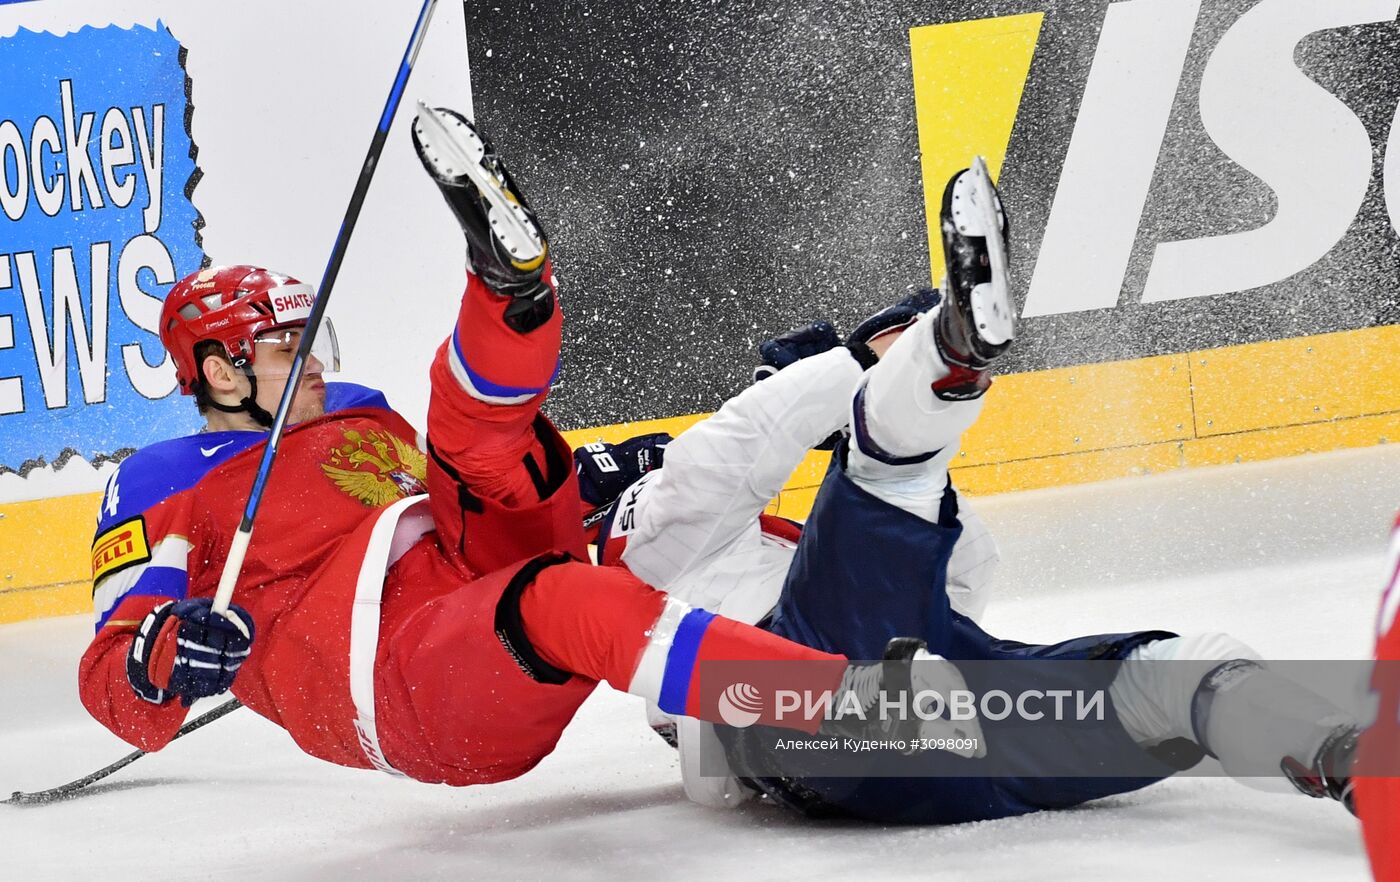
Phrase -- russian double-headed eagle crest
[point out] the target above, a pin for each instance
(377, 468)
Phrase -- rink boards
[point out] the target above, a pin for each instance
(1190, 292)
(1099, 422)
(1065, 426)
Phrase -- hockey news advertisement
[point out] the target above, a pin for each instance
(99, 178)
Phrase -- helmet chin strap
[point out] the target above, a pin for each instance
(248, 405)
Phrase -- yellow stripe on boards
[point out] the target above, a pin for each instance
(1078, 409)
(1042, 429)
(46, 563)
(1262, 444)
(576, 438)
(44, 601)
(1068, 468)
(47, 540)
(968, 80)
(1297, 381)
(794, 503)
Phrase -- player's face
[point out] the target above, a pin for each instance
(272, 363)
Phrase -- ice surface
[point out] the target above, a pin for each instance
(1286, 555)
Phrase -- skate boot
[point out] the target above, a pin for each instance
(505, 244)
(908, 669)
(976, 324)
(1329, 773)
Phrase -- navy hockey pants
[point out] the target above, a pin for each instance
(866, 571)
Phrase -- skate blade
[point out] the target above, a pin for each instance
(455, 150)
(979, 213)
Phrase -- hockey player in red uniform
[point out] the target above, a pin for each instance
(424, 613)
(1377, 797)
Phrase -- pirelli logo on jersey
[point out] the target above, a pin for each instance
(123, 546)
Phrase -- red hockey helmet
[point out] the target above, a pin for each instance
(235, 306)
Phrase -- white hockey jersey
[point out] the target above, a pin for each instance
(693, 528)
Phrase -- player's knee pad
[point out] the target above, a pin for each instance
(510, 625)
(1195, 661)
(973, 563)
(1155, 690)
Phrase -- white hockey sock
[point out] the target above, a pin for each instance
(1157, 683)
(902, 416)
(1254, 718)
(904, 436)
(1250, 719)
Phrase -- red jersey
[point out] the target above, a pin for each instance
(168, 516)
(1378, 799)
(448, 636)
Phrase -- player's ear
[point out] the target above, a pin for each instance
(219, 375)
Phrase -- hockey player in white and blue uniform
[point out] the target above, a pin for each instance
(873, 561)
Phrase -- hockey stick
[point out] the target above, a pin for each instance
(238, 549)
(72, 789)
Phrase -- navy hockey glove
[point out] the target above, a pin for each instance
(183, 648)
(892, 318)
(792, 347)
(605, 470)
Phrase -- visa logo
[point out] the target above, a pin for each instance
(1256, 106)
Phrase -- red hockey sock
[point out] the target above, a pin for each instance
(492, 362)
(488, 383)
(588, 620)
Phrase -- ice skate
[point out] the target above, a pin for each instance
(505, 244)
(908, 670)
(976, 324)
(1329, 772)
